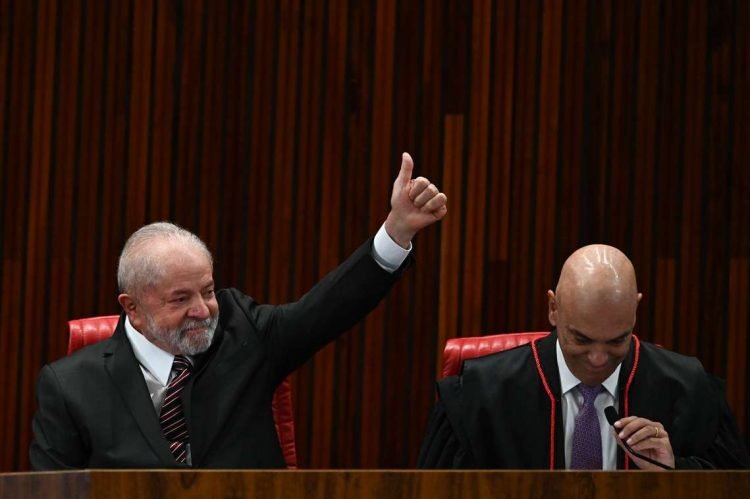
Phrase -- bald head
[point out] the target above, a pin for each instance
(597, 275)
(593, 309)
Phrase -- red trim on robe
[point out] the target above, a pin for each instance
(552, 419)
(626, 394)
(553, 407)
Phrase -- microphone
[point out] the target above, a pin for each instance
(611, 414)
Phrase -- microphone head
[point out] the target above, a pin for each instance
(611, 414)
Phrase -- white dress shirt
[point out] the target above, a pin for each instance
(156, 364)
(572, 400)
(386, 252)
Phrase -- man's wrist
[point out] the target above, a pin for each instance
(399, 234)
(387, 252)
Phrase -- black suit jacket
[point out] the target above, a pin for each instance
(499, 412)
(95, 410)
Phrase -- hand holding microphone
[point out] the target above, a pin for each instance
(647, 442)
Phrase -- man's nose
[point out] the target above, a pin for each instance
(199, 309)
(597, 357)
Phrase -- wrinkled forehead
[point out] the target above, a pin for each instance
(174, 262)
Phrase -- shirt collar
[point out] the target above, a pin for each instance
(152, 358)
(568, 381)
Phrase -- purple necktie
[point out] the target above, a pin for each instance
(587, 436)
(172, 417)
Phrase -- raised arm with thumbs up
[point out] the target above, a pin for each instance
(243, 349)
(415, 204)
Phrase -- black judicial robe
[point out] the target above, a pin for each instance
(504, 411)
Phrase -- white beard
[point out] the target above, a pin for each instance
(183, 344)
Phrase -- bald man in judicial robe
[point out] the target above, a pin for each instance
(518, 409)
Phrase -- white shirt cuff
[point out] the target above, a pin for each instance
(387, 253)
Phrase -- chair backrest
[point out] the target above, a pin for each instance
(459, 349)
(83, 332)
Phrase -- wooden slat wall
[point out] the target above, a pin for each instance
(274, 129)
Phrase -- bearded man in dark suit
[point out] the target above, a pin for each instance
(104, 406)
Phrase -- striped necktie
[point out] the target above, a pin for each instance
(172, 417)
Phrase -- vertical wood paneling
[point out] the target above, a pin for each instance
(426, 285)
(715, 264)
(620, 192)
(524, 158)
(504, 51)
(6, 23)
(379, 179)
(739, 276)
(16, 154)
(139, 108)
(332, 168)
(346, 416)
(211, 141)
(736, 345)
(274, 130)
(571, 196)
(116, 193)
(497, 231)
(8, 455)
(261, 126)
(450, 245)
(399, 349)
(691, 236)
(309, 197)
(283, 172)
(547, 163)
(670, 126)
(67, 154)
(740, 174)
(475, 170)
(664, 300)
(190, 65)
(85, 185)
(645, 153)
(38, 190)
(161, 123)
(597, 113)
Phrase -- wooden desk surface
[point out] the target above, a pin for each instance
(398, 484)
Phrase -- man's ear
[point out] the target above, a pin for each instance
(127, 302)
(552, 307)
(131, 308)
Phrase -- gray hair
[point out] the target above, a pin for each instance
(140, 268)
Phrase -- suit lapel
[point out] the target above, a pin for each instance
(222, 371)
(217, 367)
(125, 373)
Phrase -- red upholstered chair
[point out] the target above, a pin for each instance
(459, 349)
(92, 329)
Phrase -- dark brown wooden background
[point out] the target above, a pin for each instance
(273, 129)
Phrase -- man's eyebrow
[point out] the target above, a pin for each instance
(580, 334)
